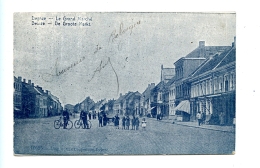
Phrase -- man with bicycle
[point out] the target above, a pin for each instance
(66, 118)
(83, 116)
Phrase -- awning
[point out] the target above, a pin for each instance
(183, 106)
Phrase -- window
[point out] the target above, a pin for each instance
(216, 85)
(208, 87)
(232, 82)
(220, 84)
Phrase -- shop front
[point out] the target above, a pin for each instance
(183, 111)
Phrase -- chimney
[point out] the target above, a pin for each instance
(202, 48)
(33, 84)
(161, 67)
(153, 85)
(19, 78)
(120, 94)
(29, 82)
(24, 80)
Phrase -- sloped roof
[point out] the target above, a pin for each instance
(110, 102)
(121, 98)
(171, 81)
(158, 87)
(32, 89)
(209, 50)
(128, 95)
(92, 108)
(224, 58)
(230, 58)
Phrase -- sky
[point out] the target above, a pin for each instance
(106, 61)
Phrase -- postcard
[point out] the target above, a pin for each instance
(124, 83)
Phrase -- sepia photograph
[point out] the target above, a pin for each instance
(124, 83)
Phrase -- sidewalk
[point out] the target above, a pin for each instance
(194, 124)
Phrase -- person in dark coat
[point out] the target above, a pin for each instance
(117, 121)
(83, 116)
(137, 122)
(100, 120)
(127, 123)
(123, 122)
(66, 118)
(104, 119)
(89, 115)
(133, 123)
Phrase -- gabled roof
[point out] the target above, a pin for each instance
(224, 58)
(99, 103)
(128, 95)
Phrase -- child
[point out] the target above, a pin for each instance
(143, 123)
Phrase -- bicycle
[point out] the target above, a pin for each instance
(59, 123)
(79, 123)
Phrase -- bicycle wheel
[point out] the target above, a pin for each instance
(57, 124)
(89, 124)
(69, 125)
(77, 124)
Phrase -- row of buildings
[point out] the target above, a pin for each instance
(128, 104)
(202, 81)
(32, 101)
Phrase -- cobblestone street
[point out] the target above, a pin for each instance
(38, 136)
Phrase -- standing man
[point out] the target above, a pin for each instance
(127, 123)
(199, 117)
(89, 115)
(66, 118)
(104, 119)
(133, 123)
(123, 122)
(117, 121)
(137, 122)
(83, 116)
(100, 120)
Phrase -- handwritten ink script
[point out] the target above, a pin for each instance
(68, 21)
(71, 21)
(73, 64)
(116, 34)
(101, 66)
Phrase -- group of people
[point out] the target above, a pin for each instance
(201, 116)
(127, 121)
(103, 120)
